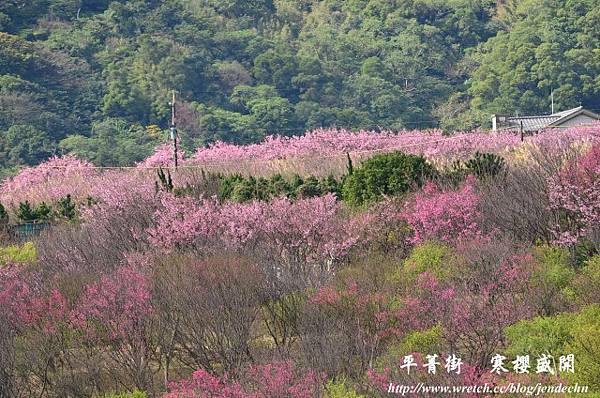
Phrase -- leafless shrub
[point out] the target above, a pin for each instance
(96, 245)
(340, 329)
(516, 205)
(281, 316)
(210, 306)
(7, 355)
(325, 344)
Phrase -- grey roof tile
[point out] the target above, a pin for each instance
(535, 123)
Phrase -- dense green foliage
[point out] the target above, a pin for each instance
(25, 253)
(3, 217)
(94, 78)
(238, 188)
(28, 213)
(64, 209)
(555, 275)
(430, 257)
(137, 394)
(385, 175)
(340, 389)
(241, 189)
(573, 333)
(545, 46)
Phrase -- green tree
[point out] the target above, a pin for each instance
(4, 219)
(385, 175)
(24, 144)
(552, 46)
(113, 142)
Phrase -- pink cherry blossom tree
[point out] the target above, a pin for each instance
(273, 380)
(163, 156)
(38, 316)
(49, 181)
(305, 238)
(575, 194)
(488, 294)
(444, 215)
(115, 315)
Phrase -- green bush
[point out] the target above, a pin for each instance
(66, 208)
(279, 186)
(564, 334)
(227, 185)
(245, 190)
(330, 185)
(309, 189)
(432, 257)
(135, 394)
(481, 165)
(43, 212)
(340, 389)
(385, 175)
(453, 175)
(586, 284)
(26, 253)
(485, 165)
(585, 346)
(428, 341)
(552, 278)
(540, 335)
(242, 189)
(584, 250)
(27, 213)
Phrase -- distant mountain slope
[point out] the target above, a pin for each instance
(94, 77)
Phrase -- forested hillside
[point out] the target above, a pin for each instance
(93, 77)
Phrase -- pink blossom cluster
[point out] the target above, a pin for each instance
(49, 181)
(274, 380)
(67, 175)
(163, 156)
(15, 295)
(60, 176)
(332, 142)
(115, 307)
(554, 141)
(575, 194)
(477, 305)
(24, 304)
(113, 191)
(444, 215)
(431, 144)
(308, 230)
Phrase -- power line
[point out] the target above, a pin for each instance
(365, 127)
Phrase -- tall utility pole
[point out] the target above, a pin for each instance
(173, 129)
(521, 131)
(552, 99)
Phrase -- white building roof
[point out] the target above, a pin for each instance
(536, 123)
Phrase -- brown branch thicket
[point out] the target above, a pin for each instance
(210, 308)
(516, 205)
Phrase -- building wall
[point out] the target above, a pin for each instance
(578, 120)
